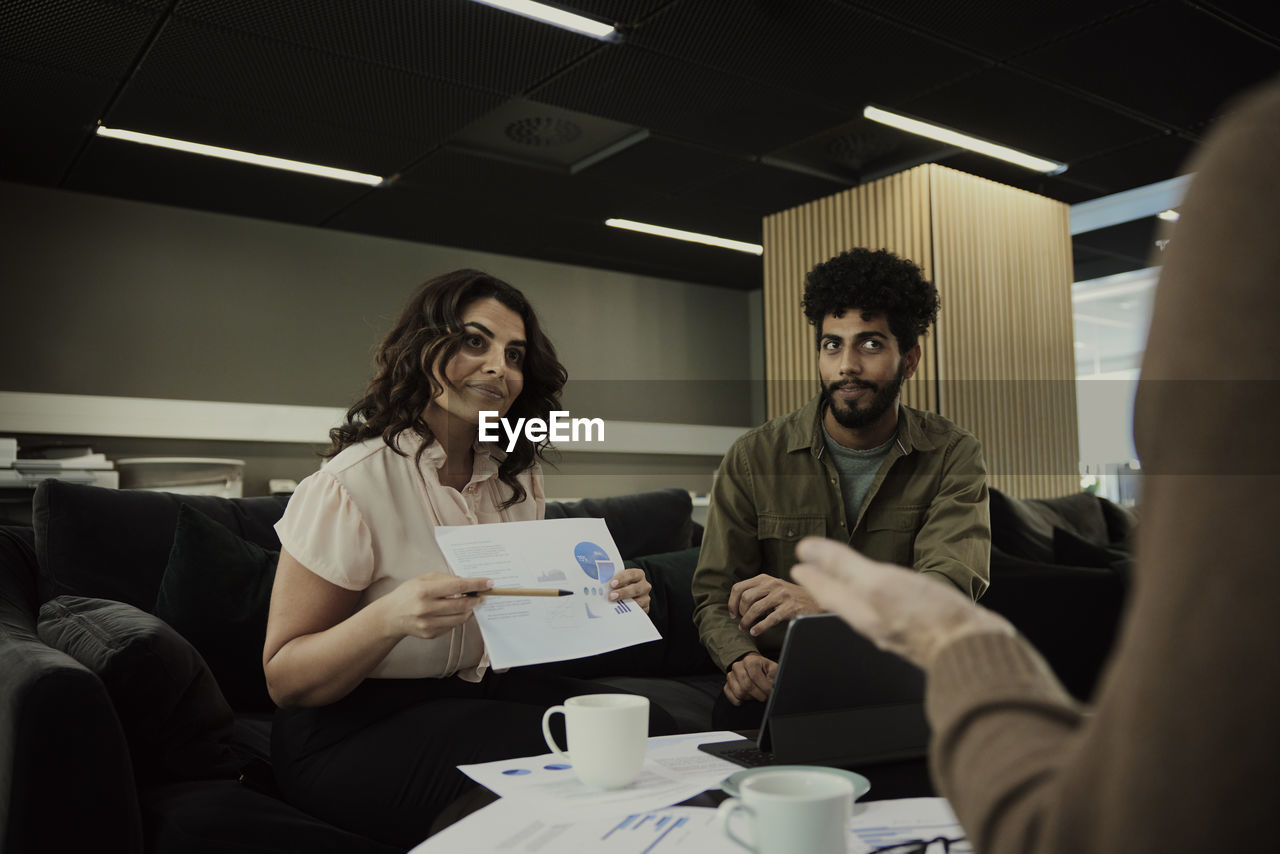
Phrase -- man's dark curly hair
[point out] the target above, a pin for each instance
(428, 332)
(876, 281)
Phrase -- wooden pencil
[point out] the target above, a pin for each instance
(521, 591)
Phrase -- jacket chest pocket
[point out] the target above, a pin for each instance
(778, 536)
(889, 534)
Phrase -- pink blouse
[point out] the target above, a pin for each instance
(366, 520)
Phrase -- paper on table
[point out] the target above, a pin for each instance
(879, 823)
(674, 770)
(570, 554)
(519, 826)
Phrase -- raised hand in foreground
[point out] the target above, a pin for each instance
(897, 609)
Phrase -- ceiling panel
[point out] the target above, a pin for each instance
(1156, 62)
(1147, 161)
(128, 171)
(596, 245)
(1015, 110)
(664, 165)
(686, 101)
(88, 37)
(762, 189)
(999, 29)
(221, 66)
(454, 40)
(1264, 18)
(750, 106)
(48, 115)
(263, 131)
(804, 45)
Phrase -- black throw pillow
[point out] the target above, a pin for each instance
(1070, 550)
(643, 523)
(671, 575)
(215, 591)
(175, 719)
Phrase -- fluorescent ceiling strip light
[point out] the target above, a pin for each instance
(240, 156)
(556, 17)
(691, 236)
(961, 140)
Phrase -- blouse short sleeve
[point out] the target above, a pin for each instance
(323, 529)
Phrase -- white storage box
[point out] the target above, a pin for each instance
(184, 475)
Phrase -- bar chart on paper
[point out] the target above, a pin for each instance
(673, 829)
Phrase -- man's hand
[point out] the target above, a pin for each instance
(765, 601)
(749, 678)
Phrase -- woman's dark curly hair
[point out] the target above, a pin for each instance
(876, 281)
(429, 332)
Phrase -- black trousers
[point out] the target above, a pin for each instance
(381, 761)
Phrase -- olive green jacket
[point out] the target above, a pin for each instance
(927, 508)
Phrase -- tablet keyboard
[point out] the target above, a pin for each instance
(744, 753)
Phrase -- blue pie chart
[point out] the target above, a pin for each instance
(590, 556)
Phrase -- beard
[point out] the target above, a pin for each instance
(854, 417)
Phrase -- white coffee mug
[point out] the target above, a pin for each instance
(791, 811)
(607, 736)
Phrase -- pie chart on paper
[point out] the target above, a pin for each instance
(594, 561)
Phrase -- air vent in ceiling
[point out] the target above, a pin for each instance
(543, 130)
(535, 134)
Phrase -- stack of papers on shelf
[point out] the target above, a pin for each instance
(74, 465)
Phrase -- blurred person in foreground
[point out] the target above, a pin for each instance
(1180, 748)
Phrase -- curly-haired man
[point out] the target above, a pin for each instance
(854, 464)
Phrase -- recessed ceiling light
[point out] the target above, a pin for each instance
(691, 236)
(556, 17)
(240, 156)
(963, 140)
(1169, 216)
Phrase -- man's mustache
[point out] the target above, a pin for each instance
(836, 386)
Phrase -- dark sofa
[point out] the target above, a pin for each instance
(115, 735)
(148, 746)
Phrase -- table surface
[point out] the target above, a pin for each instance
(907, 778)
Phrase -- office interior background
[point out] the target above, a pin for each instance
(163, 303)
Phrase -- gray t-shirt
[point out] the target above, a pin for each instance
(857, 471)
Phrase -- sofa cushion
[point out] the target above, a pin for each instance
(644, 523)
(1025, 528)
(216, 591)
(1070, 614)
(176, 722)
(218, 816)
(671, 575)
(114, 543)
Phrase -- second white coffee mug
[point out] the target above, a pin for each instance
(607, 736)
(790, 811)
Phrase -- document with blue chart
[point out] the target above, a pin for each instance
(574, 556)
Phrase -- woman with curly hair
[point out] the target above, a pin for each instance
(372, 652)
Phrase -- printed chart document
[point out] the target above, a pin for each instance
(879, 823)
(518, 826)
(573, 555)
(674, 770)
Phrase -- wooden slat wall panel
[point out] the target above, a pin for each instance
(1006, 359)
(893, 214)
(1001, 360)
